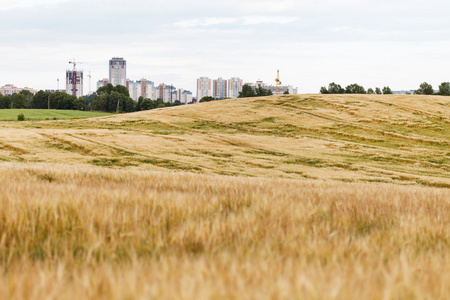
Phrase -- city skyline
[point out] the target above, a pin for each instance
(312, 43)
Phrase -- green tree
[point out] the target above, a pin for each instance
(354, 89)
(5, 102)
(246, 92)
(444, 89)
(105, 89)
(261, 92)
(81, 104)
(370, 91)
(40, 100)
(286, 92)
(28, 97)
(100, 103)
(323, 90)
(378, 91)
(146, 104)
(207, 99)
(109, 98)
(19, 101)
(387, 90)
(115, 98)
(121, 90)
(139, 104)
(424, 89)
(334, 88)
(129, 105)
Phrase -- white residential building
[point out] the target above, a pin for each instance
(141, 88)
(204, 88)
(185, 97)
(234, 87)
(220, 88)
(103, 82)
(168, 93)
(10, 89)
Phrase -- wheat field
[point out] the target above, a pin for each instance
(294, 197)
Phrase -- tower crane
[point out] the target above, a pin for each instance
(89, 82)
(278, 82)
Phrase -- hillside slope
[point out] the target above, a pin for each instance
(372, 138)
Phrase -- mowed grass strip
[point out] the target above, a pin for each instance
(50, 114)
(96, 233)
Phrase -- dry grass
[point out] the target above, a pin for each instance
(94, 233)
(365, 138)
(333, 197)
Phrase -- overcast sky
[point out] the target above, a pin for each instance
(394, 43)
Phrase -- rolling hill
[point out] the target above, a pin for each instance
(291, 197)
(366, 138)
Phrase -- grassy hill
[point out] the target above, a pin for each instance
(47, 114)
(366, 138)
(330, 197)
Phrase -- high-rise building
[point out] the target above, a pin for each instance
(234, 87)
(161, 88)
(74, 83)
(185, 97)
(167, 93)
(118, 71)
(220, 88)
(141, 88)
(204, 88)
(103, 82)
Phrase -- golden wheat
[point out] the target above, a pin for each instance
(332, 197)
(94, 233)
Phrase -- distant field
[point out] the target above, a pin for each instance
(43, 114)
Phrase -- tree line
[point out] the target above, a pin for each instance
(246, 92)
(334, 88)
(111, 98)
(424, 89)
(427, 89)
(43, 100)
(108, 99)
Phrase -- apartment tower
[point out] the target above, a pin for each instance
(220, 88)
(204, 88)
(118, 71)
(234, 87)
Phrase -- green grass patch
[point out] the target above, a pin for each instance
(264, 151)
(48, 114)
(110, 162)
(307, 161)
(169, 164)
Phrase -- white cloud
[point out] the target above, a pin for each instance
(311, 42)
(249, 20)
(255, 20)
(205, 22)
(271, 6)
(11, 4)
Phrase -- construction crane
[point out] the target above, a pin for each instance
(278, 82)
(74, 75)
(89, 82)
